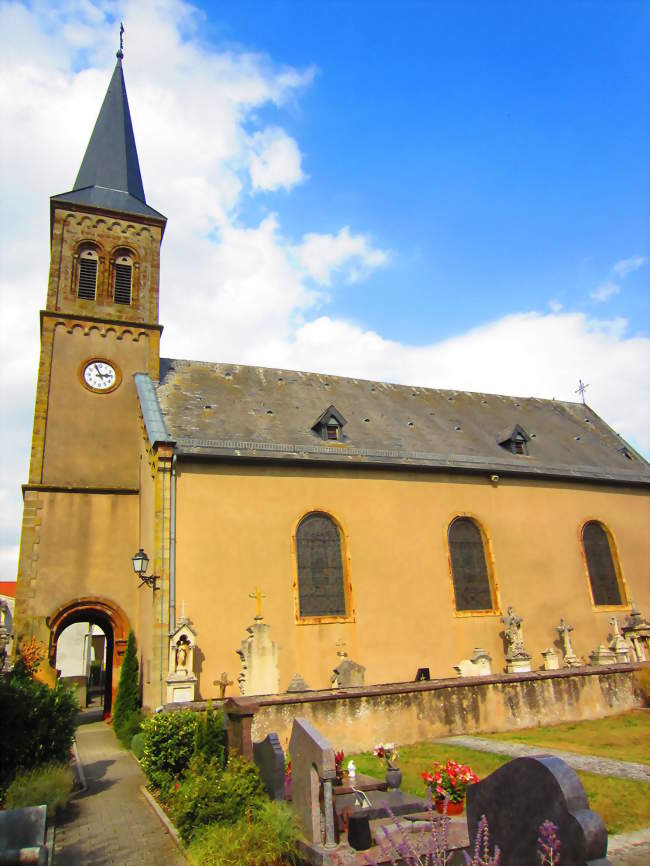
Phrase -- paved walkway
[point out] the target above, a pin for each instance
(111, 824)
(586, 763)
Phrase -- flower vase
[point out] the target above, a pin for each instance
(452, 808)
(393, 777)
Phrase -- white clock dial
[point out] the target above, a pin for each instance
(99, 375)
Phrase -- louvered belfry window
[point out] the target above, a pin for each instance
(600, 565)
(321, 590)
(87, 286)
(123, 281)
(469, 568)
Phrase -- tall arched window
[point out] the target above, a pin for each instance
(122, 277)
(321, 586)
(87, 276)
(603, 577)
(472, 590)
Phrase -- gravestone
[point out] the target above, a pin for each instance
(602, 655)
(348, 674)
(520, 796)
(312, 767)
(22, 836)
(260, 673)
(517, 659)
(618, 645)
(551, 659)
(479, 665)
(637, 631)
(269, 757)
(298, 684)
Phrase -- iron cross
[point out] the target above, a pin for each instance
(581, 390)
(257, 595)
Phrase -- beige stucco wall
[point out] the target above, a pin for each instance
(234, 532)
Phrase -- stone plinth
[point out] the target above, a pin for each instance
(260, 674)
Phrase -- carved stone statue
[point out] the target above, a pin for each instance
(564, 630)
(517, 659)
(182, 652)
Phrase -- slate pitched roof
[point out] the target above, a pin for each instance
(109, 177)
(222, 411)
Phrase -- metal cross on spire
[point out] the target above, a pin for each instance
(120, 53)
(257, 595)
(581, 390)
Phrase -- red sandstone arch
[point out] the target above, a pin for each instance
(103, 612)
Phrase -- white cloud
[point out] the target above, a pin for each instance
(554, 305)
(275, 160)
(605, 291)
(320, 255)
(626, 266)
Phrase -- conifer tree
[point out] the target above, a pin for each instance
(127, 700)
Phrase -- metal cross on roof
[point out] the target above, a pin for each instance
(120, 53)
(581, 390)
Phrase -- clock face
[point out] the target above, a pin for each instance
(99, 375)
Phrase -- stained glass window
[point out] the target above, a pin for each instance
(321, 590)
(469, 569)
(600, 565)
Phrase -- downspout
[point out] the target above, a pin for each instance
(172, 550)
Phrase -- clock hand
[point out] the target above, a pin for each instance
(99, 372)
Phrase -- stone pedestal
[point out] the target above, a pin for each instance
(551, 659)
(602, 655)
(520, 665)
(348, 674)
(240, 713)
(260, 674)
(479, 665)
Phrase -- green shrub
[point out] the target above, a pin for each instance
(95, 672)
(210, 739)
(37, 723)
(208, 794)
(268, 840)
(168, 746)
(127, 700)
(51, 784)
(137, 745)
(130, 726)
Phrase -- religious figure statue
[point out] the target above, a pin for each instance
(182, 653)
(564, 630)
(514, 636)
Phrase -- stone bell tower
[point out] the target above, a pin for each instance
(99, 327)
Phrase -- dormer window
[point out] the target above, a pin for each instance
(87, 277)
(122, 279)
(332, 431)
(515, 440)
(330, 424)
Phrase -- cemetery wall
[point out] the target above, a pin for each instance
(409, 712)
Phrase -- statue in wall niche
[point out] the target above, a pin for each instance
(182, 654)
(564, 630)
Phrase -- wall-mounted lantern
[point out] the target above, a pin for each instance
(140, 564)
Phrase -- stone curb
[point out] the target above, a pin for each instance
(620, 843)
(167, 824)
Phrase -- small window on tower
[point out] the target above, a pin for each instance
(87, 282)
(123, 280)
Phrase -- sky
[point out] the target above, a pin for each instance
(446, 194)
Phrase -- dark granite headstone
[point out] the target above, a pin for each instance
(269, 757)
(22, 835)
(517, 799)
(422, 674)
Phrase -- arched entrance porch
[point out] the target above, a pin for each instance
(110, 618)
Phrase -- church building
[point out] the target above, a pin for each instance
(266, 524)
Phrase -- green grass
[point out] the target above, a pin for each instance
(623, 804)
(623, 738)
(50, 785)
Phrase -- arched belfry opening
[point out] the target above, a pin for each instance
(113, 623)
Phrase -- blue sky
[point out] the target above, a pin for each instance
(499, 150)
(451, 195)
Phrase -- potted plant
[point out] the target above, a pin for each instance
(388, 753)
(448, 785)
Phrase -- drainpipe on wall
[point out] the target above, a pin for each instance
(172, 550)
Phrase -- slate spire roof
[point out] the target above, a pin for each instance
(109, 177)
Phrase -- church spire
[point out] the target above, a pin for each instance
(109, 177)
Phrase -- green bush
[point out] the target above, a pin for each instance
(130, 726)
(37, 723)
(137, 745)
(51, 784)
(208, 794)
(269, 840)
(210, 739)
(95, 672)
(169, 740)
(127, 700)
